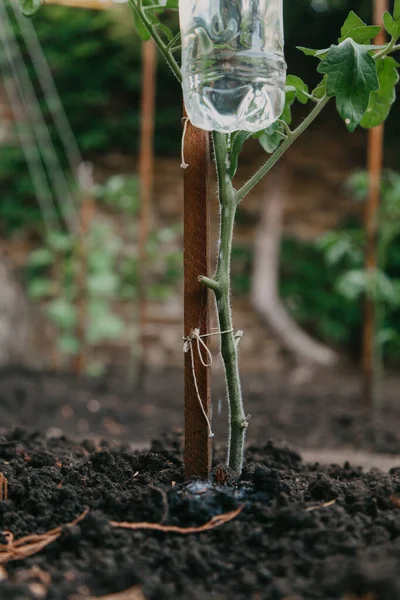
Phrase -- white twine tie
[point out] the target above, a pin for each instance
(184, 164)
(188, 347)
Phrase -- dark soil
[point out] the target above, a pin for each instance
(324, 412)
(285, 544)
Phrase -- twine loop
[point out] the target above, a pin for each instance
(195, 337)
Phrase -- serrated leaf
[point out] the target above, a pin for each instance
(299, 86)
(391, 26)
(239, 138)
(29, 7)
(352, 21)
(352, 77)
(362, 35)
(381, 100)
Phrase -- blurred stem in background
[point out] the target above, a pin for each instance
(372, 356)
(136, 370)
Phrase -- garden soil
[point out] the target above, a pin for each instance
(298, 532)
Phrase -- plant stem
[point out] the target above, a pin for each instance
(291, 138)
(164, 48)
(221, 287)
(390, 48)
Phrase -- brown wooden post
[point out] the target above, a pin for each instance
(146, 176)
(375, 164)
(196, 297)
(87, 215)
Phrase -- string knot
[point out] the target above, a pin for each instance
(195, 337)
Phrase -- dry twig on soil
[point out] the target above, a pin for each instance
(31, 544)
(216, 521)
(319, 506)
(3, 487)
(134, 593)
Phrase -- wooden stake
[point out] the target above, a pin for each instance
(88, 4)
(196, 297)
(87, 215)
(375, 164)
(146, 176)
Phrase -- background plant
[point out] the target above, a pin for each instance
(53, 273)
(345, 250)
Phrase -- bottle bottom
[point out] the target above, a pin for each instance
(226, 104)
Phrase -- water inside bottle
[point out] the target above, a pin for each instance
(233, 66)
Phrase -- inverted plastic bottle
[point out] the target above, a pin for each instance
(233, 66)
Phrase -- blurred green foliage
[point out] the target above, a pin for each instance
(100, 272)
(324, 283)
(54, 273)
(95, 59)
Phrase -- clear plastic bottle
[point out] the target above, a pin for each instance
(233, 65)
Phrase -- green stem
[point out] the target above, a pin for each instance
(390, 48)
(164, 49)
(221, 286)
(291, 138)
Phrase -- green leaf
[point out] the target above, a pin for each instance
(376, 285)
(287, 110)
(381, 100)
(320, 91)
(362, 35)
(40, 288)
(392, 26)
(108, 327)
(60, 242)
(352, 77)
(299, 86)
(141, 29)
(68, 344)
(29, 7)
(396, 11)
(310, 52)
(271, 138)
(239, 138)
(103, 284)
(353, 21)
(62, 313)
(40, 258)
(166, 31)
